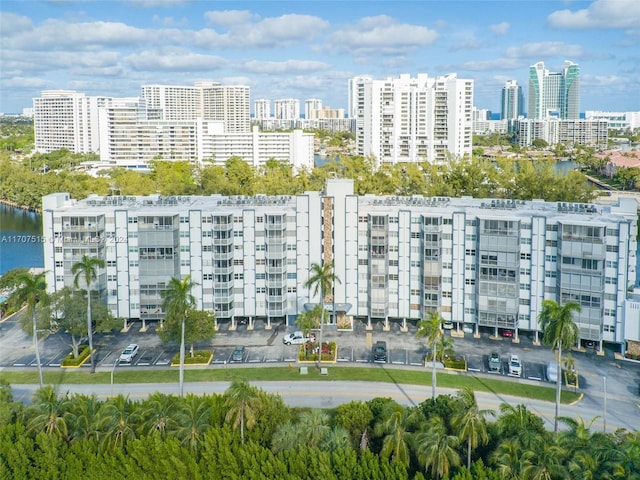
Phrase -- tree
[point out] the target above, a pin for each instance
(397, 438)
(177, 300)
(193, 420)
(471, 424)
(517, 422)
(321, 281)
(431, 330)
(68, 312)
(243, 402)
(86, 269)
(559, 331)
(47, 413)
(436, 449)
(30, 289)
(118, 420)
(199, 325)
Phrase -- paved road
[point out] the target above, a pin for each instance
(316, 394)
(265, 347)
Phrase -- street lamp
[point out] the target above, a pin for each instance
(113, 369)
(604, 413)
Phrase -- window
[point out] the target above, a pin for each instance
(237, 233)
(393, 263)
(610, 328)
(260, 261)
(238, 261)
(552, 228)
(207, 276)
(238, 276)
(611, 264)
(447, 221)
(610, 280)
(470, 251)
(550, 274)
(184, 219)
(470, 223)
(393, 276)
(112, 278)
(552, 243)
(259, 220)
(416, 263)
(612, 248)
(525, 256)
(260, 248)
(525, 286)
(467, 281)
(363, 261)
(261, 276)
(292, 276)
(525, 301)
(525, 271)
(446, 294)
(550, 258)
(526, 226)
(111, 263)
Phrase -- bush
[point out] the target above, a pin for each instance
(309, 352)
(71, 361)
(458, 364)
(199, 357)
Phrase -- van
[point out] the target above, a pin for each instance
(552, 371)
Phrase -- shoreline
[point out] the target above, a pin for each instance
(13, 204)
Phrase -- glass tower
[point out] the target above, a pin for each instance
(554, 94)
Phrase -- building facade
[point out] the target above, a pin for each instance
(286, 108)
(512, 101)
(262, 109)
(553, 131)
(408, 119)
(624, 121)
(554, 94)
(485, 263)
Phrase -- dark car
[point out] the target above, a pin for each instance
(238, 354)
(507, 333)
(380, 352)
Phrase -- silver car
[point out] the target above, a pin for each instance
(129, 353)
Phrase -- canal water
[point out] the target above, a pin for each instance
(20, 239)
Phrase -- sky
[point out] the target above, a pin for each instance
(309, 49)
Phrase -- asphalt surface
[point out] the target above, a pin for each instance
(265, 347)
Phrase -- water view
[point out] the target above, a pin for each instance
(20, 239)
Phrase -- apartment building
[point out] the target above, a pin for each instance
(553, 131)
(512, 101)
(262, 109)
(624, 121)
(487, 263)
(408, 119)
(286, 108)
(554, 94)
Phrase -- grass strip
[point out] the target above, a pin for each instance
(286, 373)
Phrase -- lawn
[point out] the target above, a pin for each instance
(291, 373)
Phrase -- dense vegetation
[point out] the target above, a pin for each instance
(522, 179)
(247, 433)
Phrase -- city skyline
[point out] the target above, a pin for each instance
(310, 49)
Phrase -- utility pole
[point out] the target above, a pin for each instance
(604, 413)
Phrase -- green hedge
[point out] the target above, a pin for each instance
(457, 364)
(71, 361)
(199, 357)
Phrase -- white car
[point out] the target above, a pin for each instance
(515, 367)
(129, 353)
(447, 325)
(297, 338)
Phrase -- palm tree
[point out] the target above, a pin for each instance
(518, 423)
(470, 423)
(545, 462)
(86, 269)
(31, 290)
(48, 413)
(243, 402)
(177, 299)
(159, 414)
(193, 420)
(321, 281)
(313, 427)
(82, 417)
(286, 437)
(118, 420)
(437, 450)
(511, 459)
(397, 438)
(560, 331)
(431, 329)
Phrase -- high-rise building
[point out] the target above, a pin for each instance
(481, 262)
(262, 109)
(554, 94)
(408, 119)
(311, 107)
(512, 105)
(67, 119)
(287, 108)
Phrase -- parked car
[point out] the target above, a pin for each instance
(515, 367)
(129, 353)
(552, 371)
(380, 352)
(506, 333)
(495, 363)
(238, 354)
(447, 325)
(468, 328)
(298, 338)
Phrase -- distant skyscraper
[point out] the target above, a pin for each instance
(554, 94)
(262, 109)
(512, 105)
(287, 108)
(311, 106)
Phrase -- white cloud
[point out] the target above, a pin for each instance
(158, 3)
(288, 66)
(24, 82)
(11, 23)
(497, 64)
(545, 50)
(227, 18)
(600, 14)
(383, 35)
(500, 28)
(173, 61)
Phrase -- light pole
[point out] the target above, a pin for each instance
(604, 413)
(113, 369)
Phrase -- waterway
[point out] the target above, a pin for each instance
(20, 239)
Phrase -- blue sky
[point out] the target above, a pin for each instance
(308, 49)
